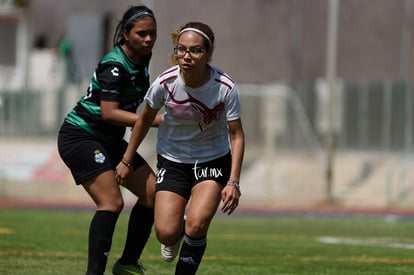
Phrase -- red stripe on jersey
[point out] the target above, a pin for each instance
(224, 83)
(226, 76)
(172, 71)
(225, 79)
(168, 78)
(167, 72)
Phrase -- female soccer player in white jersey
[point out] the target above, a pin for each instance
(200, 146)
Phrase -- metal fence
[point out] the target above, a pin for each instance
(285, 126)
(368, 115)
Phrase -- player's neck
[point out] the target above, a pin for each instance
(131, 55)
(195, 79)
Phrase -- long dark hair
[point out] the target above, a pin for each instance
(128, 20)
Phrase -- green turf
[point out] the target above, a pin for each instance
(54, 242)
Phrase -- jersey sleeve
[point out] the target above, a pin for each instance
(110, 80)
(232, 104)
(155, 95)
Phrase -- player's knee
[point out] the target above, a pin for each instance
(196, 228)
(114, 205)
(167, 235)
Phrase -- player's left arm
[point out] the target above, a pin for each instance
(231, 192)
(237, 144)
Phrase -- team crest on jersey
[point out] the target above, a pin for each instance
(99, 157)
(115, 71)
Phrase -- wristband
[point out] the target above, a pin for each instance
(235, 184)
(129, 165)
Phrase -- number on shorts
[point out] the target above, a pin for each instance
(160, 175)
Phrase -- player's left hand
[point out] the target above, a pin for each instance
(230, 197)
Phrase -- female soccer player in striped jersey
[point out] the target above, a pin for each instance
(91, 142)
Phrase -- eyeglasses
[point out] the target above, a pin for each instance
(194, 52)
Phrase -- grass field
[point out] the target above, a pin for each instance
(54, 242)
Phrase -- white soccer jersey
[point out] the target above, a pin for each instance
(195, 120)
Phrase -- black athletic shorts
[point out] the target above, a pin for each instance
(87, 156)
(180, 178)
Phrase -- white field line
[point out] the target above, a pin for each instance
(351, 241)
